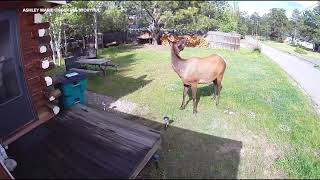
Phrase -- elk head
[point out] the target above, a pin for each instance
(177, 46)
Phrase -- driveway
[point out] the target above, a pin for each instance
(301, 71)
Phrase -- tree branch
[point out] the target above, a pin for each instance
(148, 12)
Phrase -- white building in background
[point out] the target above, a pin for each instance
(305, 44)
(299, 42)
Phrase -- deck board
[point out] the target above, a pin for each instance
(84, 143)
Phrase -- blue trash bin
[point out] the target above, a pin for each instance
(73, 89)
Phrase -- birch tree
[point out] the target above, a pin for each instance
(294, 23)
(97, 5)
(55, 33)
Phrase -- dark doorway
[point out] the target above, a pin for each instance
(15, 106)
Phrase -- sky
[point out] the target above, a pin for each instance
(263, 7)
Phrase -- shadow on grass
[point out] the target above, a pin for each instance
(124, 61)
(114, 51)
(116, 85)
(206, 90)
(189, 154)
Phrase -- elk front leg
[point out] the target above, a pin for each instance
(185, 92)
(219, 87)
(194, 97)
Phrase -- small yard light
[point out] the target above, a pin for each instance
(156, 158)
(166, 122)
(104, 105)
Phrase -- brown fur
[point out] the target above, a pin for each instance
(195, 70)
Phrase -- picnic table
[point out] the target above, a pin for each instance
(102, 64)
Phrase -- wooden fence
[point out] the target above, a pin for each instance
(221, 40)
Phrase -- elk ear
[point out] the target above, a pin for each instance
(181, 44)
(170, 43)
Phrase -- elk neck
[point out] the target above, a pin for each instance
(178, 63)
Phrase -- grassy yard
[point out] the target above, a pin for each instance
(291, 50)
(264, 126)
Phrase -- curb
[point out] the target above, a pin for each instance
(314, 62)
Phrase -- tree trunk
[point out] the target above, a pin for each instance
(155, 33)
(65, 42)
(295, 34)
(57, 50)
(95, 31)
(58, 45)
(52, 46)
(257, 28)
(83, 42)
(252, 29)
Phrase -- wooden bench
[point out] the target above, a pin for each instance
(82, 58)
(72, 65)
(101, 64)
(85, 71)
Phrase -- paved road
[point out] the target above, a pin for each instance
(301, 71)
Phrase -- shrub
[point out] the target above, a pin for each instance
(300, 50)
(257, 48)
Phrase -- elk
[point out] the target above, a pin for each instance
(195, 70)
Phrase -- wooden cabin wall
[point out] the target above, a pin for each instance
(31, 59)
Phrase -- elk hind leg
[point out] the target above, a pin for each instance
(194, 97)
(218, 90)
(214, 89)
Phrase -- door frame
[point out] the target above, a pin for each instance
(13, 16)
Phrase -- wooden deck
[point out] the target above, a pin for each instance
(4, 173)
(84, 143)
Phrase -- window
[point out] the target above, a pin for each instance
(9, 88)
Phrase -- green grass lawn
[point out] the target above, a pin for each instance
(273, 130)
(291, 49)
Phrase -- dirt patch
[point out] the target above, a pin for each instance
(257, 152)
(106, 103)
